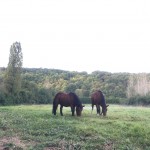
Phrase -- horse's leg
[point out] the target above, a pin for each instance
(98, 109)
(61, 107)
(92, 108)
(72, 110)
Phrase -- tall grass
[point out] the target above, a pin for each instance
(124, 128)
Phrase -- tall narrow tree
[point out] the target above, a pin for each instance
(13, 72)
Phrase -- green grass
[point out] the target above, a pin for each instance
(35, 128)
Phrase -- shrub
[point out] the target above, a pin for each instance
(139, 100)
(2, 98)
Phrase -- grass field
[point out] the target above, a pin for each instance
(35, 128)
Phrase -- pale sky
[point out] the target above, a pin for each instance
(78, 35)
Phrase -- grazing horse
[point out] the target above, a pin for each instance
(98, 99)
(67, 100)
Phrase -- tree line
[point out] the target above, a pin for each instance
(39, 85)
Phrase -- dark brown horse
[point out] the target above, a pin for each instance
(98, 99)
(67, 100)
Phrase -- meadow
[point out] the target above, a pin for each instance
(33, 127)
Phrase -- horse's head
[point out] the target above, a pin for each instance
(104, 110)
(79, 110)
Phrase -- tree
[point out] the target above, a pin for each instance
(71, 87)
(138, 84)
(13, 73)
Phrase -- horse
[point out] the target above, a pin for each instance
(67, 99)
(98, 99)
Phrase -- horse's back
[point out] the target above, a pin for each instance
(63, 99)
(97, 97)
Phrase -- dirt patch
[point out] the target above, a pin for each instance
(63, 145)
(109, 146)
(52, 148)
(10, 143)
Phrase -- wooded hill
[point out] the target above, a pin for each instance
(39, 86)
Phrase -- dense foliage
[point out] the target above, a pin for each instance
(39, 86)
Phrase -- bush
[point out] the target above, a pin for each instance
(2, 98)
(139, 100)
(112, 100)
(116, 100)
(85, 100)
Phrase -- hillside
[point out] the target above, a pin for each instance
(40, 85)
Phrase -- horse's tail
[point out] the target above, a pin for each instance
(53, 108)
(92, 106)
(55, 104)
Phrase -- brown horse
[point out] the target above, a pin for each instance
(98, 99)
(67, 100)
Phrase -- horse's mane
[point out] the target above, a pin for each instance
(77, 101)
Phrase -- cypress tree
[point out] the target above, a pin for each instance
(13, 71)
